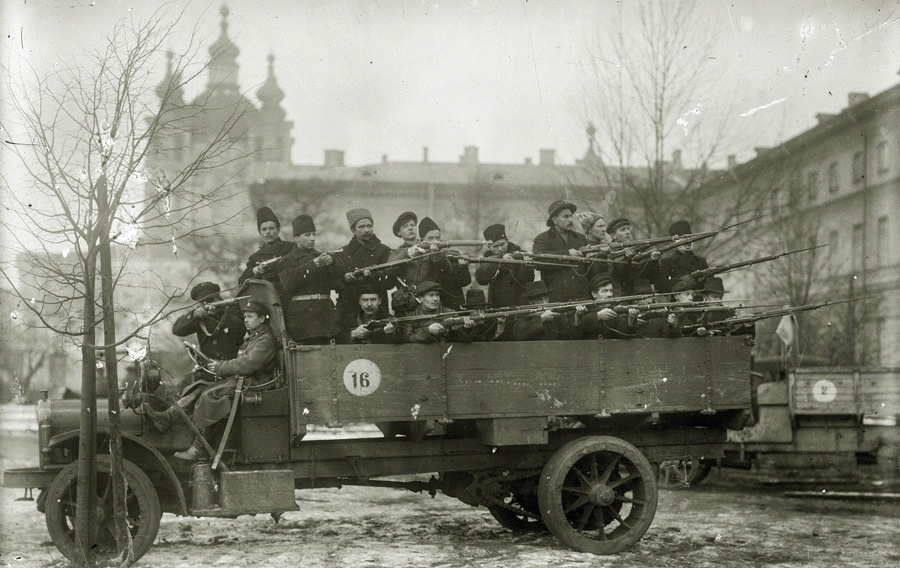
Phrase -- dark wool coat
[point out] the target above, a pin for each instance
(674, 264)
(531, 328)
(255, 361)
(309, 319)
(451, 275)
(349, 322)
(219, 334)
(624, 275)
(564, 284)
(505, 282)
(267, 251)
(357, 254)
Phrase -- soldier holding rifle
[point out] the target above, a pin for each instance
(262, 263)
(563, 284)
(364, 250)
(308, 277)
(547, 324)
(218, 323)
(427, 330)
(624, 276)
(506, 282)
(681, 261)
(429, 262)
(359, 327)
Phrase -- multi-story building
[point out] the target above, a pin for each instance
(836, 184)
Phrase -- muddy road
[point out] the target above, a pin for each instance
(722, 522)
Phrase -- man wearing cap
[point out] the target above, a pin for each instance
(451, 276)
(563, 284)
(547, 324)
(220, 330)
(272, 247)
(354, 326)
(680, 261)
(254, 360)
(308, 277)
(505, 282)
(364, 249)
(625, 275)
(602, 321)
(427, 330)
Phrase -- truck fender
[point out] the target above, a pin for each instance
(141, 446)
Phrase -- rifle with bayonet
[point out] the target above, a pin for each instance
(737, 322)
(525, 260)
(547, 259)
(681, 240)
(705, 273)
(380, 323)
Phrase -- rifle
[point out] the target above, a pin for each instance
(543, 258)
(744, 320)
(218, 303)
(197, 354)
(681, 240)
(458, 321)
(704, 273)
(360, 272)
(378, 324)
(501, 260)
(606, 301)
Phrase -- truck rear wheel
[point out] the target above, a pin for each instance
(598, 494)
(142, 504)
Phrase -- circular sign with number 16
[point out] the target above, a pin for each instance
(362, 377)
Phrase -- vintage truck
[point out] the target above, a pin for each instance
(562, 435)
(811, 424)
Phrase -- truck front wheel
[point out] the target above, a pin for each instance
(142, 506)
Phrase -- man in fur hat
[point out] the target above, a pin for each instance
(272, 247)
(308, 277)
(563, 284)
(505, 282)
(452, 276)
(680, 261)
(363, 250)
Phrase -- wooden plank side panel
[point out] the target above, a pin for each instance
(659, 375)
(879, 393)
(823, 391)
(483, 380)
(539, 378)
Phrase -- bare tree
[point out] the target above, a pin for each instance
(87, 137)
(646, 95)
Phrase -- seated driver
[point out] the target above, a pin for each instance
(255, 362)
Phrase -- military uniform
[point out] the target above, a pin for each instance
(220, 332)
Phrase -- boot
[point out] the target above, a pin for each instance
(162, 420)
(195, 453)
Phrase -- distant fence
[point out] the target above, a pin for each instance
(18, 418)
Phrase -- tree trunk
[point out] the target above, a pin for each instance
(116, 474)
(85, 519)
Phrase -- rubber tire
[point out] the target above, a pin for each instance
(639, 516)
(139, 491)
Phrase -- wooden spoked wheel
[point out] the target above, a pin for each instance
(598, 494)
(141, 502)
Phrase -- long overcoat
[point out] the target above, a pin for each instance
(564, 284)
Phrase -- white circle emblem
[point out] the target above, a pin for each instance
(824, 391)
(362, 377)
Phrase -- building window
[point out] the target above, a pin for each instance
(812, 186)
(856, 247)
(859, 170)
(833, 177)
(882, 244)
(881, 157)
(833, 243)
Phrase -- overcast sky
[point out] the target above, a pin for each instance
(390, 77)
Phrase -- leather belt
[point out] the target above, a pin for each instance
(311, 297)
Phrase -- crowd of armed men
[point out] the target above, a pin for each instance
(429, 304)
(600, 284)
